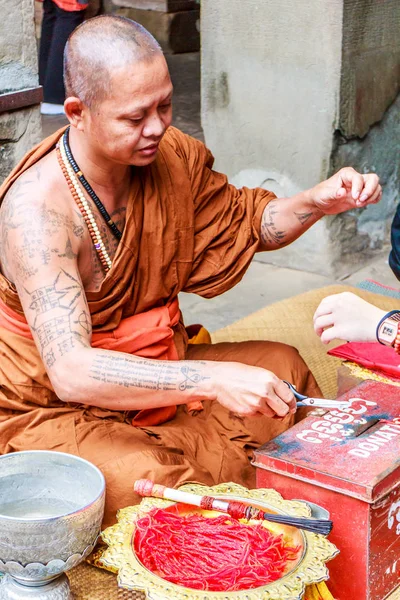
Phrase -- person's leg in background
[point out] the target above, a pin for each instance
(46, 36)
(57, 26)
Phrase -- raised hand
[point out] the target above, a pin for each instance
(345, 190)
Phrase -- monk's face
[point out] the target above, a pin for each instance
(127, 127)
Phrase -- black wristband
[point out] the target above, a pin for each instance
(389, 314)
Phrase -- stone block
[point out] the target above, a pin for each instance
(19, 131)
(18, 45)
(361, 235)
(176, 32)
(370, 78)
(159, 5)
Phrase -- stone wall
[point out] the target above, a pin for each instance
(174, 23)
(368, 129)
(288, 91)
(19, 129)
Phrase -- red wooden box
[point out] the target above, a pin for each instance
(356, 477)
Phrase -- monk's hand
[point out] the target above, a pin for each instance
(345, 190)
(249, 391)
(346, 317)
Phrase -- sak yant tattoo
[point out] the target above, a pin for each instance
(146, 374)
(304, 217)
(63, 293)
(59, 323)
(270, 234)
(34, 224)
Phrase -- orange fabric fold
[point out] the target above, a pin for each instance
(14, 322)
(148, 335)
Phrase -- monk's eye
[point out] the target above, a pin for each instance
(136, 120)
(165, 106)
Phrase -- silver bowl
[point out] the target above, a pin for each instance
(51, 509)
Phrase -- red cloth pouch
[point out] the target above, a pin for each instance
(371, 355)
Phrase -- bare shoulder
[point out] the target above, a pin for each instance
(41, 188)
(37, 219)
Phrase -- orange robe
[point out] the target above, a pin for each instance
(187, 230)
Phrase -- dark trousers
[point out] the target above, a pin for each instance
(394, 258)
(57, 25)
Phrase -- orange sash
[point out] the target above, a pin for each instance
(148, 335)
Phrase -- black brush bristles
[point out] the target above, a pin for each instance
(322, 526)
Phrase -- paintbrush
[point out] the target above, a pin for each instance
(237, 510)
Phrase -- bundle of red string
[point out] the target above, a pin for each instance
(217, 554)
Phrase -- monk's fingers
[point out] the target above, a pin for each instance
(265, 410)
(370, 187)
(322, 322)
(376, 197)
(280, 398)
(283, 391)
(349, 179)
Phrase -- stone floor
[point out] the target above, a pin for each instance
(263, 283)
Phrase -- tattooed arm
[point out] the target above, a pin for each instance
(286, 219)
(41, 248)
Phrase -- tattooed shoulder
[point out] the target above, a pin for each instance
(33, 228)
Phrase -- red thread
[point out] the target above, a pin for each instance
(143, 487)
(206, 503)
(217, 554)
(237, 510)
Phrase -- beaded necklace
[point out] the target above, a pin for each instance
(88, 187)
(83, 206)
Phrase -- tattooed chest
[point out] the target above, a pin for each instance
(93, 274)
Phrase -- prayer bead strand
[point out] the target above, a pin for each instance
(84, 208)
(100, 206)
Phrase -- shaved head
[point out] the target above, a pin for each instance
(99, 47)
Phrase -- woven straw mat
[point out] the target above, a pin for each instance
(291, 321)
(90, 583)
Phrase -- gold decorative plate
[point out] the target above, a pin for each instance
(310, 567)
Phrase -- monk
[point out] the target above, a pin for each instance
(102, 225)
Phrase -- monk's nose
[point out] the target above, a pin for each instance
(154, 127)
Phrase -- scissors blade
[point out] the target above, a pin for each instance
(324, 403)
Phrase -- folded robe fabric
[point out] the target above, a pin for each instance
(371, 355)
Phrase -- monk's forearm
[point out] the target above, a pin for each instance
(119, 381)
(286, 219)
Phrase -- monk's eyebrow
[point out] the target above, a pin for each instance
(144, 107)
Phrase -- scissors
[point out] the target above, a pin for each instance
(303, 400)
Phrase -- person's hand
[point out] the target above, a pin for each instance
(345, 190)
(347, 317)
(249, 391)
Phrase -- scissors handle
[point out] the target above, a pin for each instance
(299, 397)
(303, 400)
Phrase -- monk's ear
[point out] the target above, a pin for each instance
(74, 110)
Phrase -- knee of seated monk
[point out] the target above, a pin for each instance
(286, 363)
